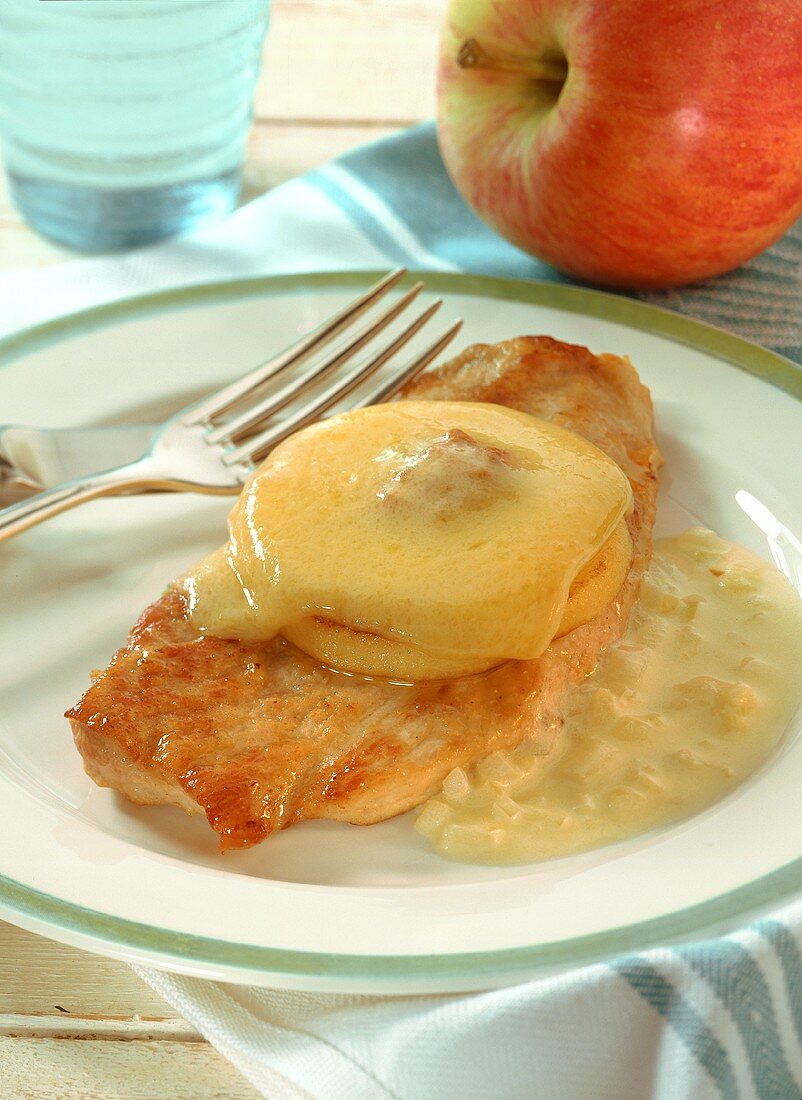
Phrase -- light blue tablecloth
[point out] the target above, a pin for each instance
(721, 1018)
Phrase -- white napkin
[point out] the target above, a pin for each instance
(719, 1019)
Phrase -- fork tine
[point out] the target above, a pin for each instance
(387, 389)
(251, 417)
(217, 403)
(330, 395)
(253, 448)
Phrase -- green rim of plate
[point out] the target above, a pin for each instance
(190, 952)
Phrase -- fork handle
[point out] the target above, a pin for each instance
(27, 513)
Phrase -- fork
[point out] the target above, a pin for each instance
(212, 445)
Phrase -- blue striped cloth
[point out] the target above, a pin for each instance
(715, 1019)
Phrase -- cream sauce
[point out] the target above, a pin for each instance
(692, 700)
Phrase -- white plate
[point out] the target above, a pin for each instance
(324, 905)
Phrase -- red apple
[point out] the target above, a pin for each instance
(633, 143)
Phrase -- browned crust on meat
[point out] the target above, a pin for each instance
(261, 736)
(106, 764)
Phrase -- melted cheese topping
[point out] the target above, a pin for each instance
(691, 700)
(419, 540)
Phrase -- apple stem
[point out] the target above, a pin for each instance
(472, 55)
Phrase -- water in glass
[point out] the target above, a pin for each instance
(124, 121)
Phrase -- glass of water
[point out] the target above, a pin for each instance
(124, 121)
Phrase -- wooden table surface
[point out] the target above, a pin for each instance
(337, 73)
